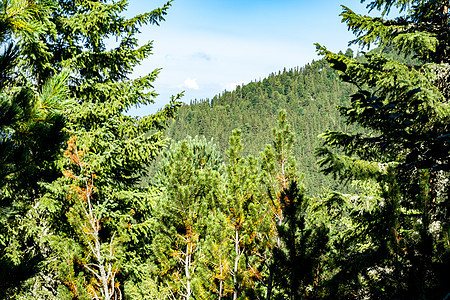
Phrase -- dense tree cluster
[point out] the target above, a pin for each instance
(245, 215)
(238, 228)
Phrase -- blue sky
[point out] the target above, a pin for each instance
(207, 46)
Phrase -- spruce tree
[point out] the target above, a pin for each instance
(298, 262)
(115, 147)
(400, 247)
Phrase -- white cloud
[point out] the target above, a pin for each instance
(190, 83)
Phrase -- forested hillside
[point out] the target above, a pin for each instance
(228, 218)
(310, 96)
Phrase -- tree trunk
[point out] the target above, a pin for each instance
(270, 283)
(236, 264)
(187, 264)
(441, 50)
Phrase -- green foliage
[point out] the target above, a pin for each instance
(189, 205)
(242, 213)
(395, 248)
(277, 163)
(31, 134)
(309, 95)
(298, 262)
(79, 225)
(421, 29)
(62, 53)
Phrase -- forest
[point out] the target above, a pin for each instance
(326, 181)
(309, 96)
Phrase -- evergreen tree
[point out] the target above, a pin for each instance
(242, 215)
(116, 147)
(217, 275)
(297, 263)
(190, 179)
(278, 169)
(399, 248)
(31, 123)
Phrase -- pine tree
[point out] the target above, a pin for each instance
(242, 214)
(217, 275)
(190, 180)
(31, 123)
(403, 105)
(278, 169)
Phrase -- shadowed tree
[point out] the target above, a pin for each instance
(404, 107)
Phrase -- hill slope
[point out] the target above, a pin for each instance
(310, 95)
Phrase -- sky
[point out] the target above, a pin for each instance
(207, 46)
